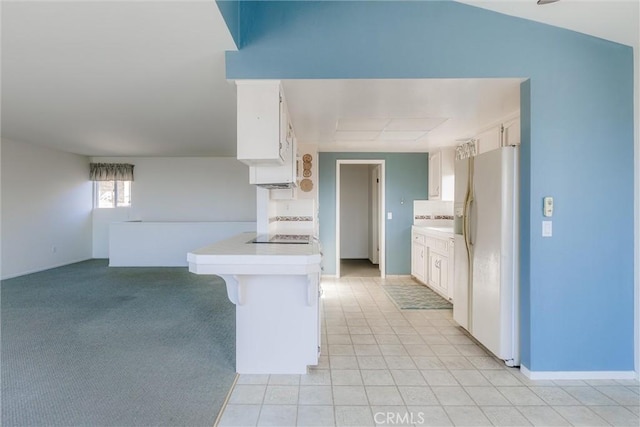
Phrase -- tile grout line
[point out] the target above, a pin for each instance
(357, 304)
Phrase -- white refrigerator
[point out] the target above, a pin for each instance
(485, 294)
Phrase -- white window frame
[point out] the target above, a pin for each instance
(96, 195)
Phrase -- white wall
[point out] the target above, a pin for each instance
(180, 189)
(354, 211)
(166, 244)
(46, 208)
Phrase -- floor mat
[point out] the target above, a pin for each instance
(415, 297)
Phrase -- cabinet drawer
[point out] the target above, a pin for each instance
(442, 245)
(418, 238)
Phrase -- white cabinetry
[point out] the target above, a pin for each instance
(502, 135)
(262, 122)
(511, 132)
(266, 141)
(418, 256)
(432, 259)
(441, 178)
(277, 176)
(490, 139)
(438, 266)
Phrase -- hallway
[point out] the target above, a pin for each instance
(352, 268)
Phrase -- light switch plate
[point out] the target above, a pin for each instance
(547, 229)
(389, 215)
(547, 206)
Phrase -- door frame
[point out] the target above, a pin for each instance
(381, 210)
(374, 224)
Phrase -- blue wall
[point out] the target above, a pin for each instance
(406, 179)
(230, 11)
(577, 299)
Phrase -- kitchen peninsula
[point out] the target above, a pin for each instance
(274, 281)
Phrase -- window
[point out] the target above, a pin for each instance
(112, 194)
(112, 184)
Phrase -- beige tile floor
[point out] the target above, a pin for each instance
(385, 366)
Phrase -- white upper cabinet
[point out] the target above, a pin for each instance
(441, 178)
(489, 140)
(277, 176)
(266, 141)
(263, 123)
(511, 132)
(502, 135)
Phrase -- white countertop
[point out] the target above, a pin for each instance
(436, 231)
(238, 255)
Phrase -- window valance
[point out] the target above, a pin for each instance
(111, 172)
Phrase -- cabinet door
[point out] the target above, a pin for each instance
(417, 261)
(435, 175)
(489, 140)
(444, 275)
(438, 271)
(258, 123)
(511, 133)
(320, 310)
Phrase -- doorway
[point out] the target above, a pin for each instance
(360, 235)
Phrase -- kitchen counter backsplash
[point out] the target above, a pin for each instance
(292, 217)
(433, 217)
(433, 213)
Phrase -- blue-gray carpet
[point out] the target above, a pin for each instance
(415, 296)
(89, 345)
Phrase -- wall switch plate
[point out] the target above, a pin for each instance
(389, 215)
(547, 229)
(547, 206)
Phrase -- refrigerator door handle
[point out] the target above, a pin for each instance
(468, 202)
(470, 221)
(466, 233)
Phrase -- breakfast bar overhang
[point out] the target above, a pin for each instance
(276, 290)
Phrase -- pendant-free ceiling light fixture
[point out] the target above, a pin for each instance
(546, 1)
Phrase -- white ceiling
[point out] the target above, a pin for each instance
(383, 109)
(118, 78)
(147, 79)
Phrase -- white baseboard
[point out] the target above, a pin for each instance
(578, 375)
(38, 270)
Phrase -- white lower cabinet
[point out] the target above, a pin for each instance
(418, 255)
(432, 260)
(438, 277)
(418, 261)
